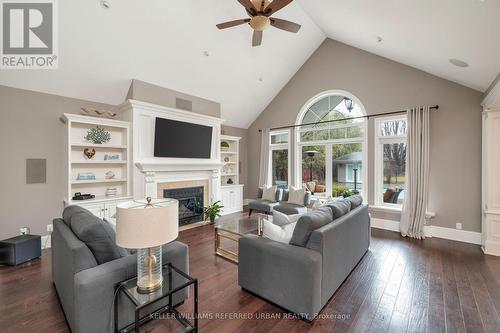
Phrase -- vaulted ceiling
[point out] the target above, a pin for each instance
(175, 44)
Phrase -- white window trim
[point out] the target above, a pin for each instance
(379, 141)
(279, 146)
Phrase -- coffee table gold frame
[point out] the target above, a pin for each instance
(233, 236)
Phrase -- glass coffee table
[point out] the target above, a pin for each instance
(233, 230)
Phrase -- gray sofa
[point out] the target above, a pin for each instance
(264, 206)
(85, 283)
(302, 276)
(289, 208)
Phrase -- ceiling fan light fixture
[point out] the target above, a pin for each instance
(260, 23)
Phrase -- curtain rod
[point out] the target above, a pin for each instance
(435, 107)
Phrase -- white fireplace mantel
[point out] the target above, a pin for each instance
(149, 171)
(181, 165)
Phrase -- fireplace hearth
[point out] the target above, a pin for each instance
(190, 203)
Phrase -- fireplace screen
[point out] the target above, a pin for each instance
(190, 203)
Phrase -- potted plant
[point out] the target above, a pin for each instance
(224, 145)
(213, 211)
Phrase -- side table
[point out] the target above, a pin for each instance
(174, 280)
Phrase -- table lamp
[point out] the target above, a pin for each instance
(146, 226)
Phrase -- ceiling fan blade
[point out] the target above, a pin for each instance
(285, 25)
(248, 6)
(232, 23)
(257, 38)
(275, 6)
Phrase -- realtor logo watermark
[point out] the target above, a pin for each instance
(29, 34)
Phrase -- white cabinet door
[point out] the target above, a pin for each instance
(232, 199)
(96, 209)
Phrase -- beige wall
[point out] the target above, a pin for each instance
(30, 128)
(383, 85)
(147, 92)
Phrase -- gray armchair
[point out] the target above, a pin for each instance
(86, 289)
(264, 206)
(289, 208)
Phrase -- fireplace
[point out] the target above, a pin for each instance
(191, 201)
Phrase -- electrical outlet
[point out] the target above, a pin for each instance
(49, 227)
(459, 226)
(24, 231)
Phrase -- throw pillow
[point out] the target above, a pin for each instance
(281, 219)
(311, 186)
(320, 188)
(110, 229)
(92, 231)
(308, 223)
(296, 196)
(388, 194)
(277, 233)
(269, 193)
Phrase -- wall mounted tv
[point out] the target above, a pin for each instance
(182, 140)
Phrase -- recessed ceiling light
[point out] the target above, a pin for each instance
(458, 63)
(379, 39)
(106, 4)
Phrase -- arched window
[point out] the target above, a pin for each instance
(330, 144)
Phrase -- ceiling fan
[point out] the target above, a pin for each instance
(260, 12)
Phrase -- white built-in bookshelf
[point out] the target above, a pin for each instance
(230, 160)
(231, 194)
(78, 163)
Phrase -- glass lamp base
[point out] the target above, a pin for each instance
(149, 274)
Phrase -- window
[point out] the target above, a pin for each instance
(332, 153)
(279, 160)
(390, 160)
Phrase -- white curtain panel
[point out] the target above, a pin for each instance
(417, 173)
(264, 157)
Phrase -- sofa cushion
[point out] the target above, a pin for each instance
(340, 208)
(69, 211)
(296, 195)
(262, 205)
(290, 209)
(269, 193)
(356, 201)
(282, 219)
(308, 223)
(277, 233)
(92, 231)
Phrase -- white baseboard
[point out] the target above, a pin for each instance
(433, 231)
(46, 244)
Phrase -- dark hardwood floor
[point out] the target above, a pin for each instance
(401, 285)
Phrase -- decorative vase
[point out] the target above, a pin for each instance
(110, 175)
(89, 153)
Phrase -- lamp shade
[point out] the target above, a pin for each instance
(141, 225)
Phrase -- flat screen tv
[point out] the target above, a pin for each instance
(182, 140)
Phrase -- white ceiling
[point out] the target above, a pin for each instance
(163, 41)
(420, 33)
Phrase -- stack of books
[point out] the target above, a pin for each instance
(86, 176)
